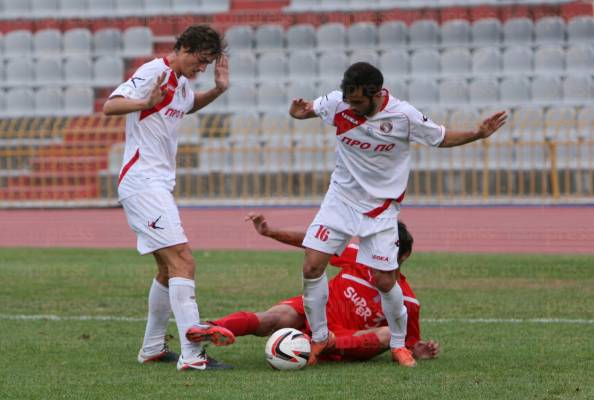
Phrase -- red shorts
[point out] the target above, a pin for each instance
(350, 354)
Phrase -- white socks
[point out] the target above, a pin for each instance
(183, 302)
(396, 315)
(158, 318)
(315, 297)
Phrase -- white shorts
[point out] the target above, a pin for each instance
(336, 223)
(154, 217)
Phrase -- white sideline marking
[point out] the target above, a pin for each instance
(425, 320)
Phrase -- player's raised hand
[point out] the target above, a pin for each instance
(260, 223)
(301, 109)
(491, 124)
(158, 93)
(222, 73)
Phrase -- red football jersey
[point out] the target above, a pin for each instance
(355, 304)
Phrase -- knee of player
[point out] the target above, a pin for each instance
(312, 271)
(384, 281)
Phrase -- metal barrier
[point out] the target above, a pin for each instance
(252, 159)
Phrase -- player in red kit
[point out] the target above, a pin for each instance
(354, 308)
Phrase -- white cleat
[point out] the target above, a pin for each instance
(200, 362)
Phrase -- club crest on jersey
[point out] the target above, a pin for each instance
(386, 127)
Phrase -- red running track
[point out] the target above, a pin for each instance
(551, 229)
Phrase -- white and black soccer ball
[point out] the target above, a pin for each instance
(287, 349)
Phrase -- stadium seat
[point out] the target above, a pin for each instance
(275, 123)
(242, 67)
(219, 105)
(486, 31)
(517, 59)
(561, 127)
(272, 96)
(214, 6)
(303, 5)
(14, 9)
(103, 8)
(129, 8)
(2, 103)
(272, 67)
(366, 55)
(396, 87)
(189, 129)
(108, 71)
(515, 90)
(331, 36)
(186, 6)
(425, 61)
(471, 154)
(214, 155)
(424, 32)
(309, 153)
(455, 61)
(579, 58)
(239, 38)
(392, 34)
(423, 92)
(49, 101)
(278, 155)
(328, 85)
(78, 70)
(107, 41)
(518, 31)
(270, 37)
(307, 127)
(486, 60)
(241, 97)
(18, 43)
(115, 158)
(22, 102)
(74, 8)
(546, 89)
(580, 29)
(77, 41)
(138, 42)
(577, 89)
(19, 71)
(453, 91)
(455, 32)
(45, 8)
(549, 58)
(157, 7)
(549, 30)
(528, 125)
(331, 65)
(301, 37)
(47, 42)
(299, 89)
(484, 91)
(362, 35)
(395, 63)
(302, 65)
(48, 71)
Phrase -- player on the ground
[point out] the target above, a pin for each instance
(373, 132)
(354, 313)
(155, 99)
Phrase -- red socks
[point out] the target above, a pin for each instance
(240, 323)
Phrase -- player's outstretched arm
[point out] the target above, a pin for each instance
(488, 127)
(120, 105)
(302, 109)
(202, 99)
(287, 237)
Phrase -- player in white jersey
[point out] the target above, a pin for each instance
(373, 134)
(154, 100)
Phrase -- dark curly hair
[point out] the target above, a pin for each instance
(405, 238)
(362, 75)
(200, 38)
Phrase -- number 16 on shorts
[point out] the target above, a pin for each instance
(322, 233)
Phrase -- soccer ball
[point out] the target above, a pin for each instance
(287, 349)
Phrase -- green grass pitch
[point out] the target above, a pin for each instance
(78, 359)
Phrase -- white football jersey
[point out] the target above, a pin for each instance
(373, 154)
(151, 135)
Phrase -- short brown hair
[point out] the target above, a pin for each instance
(200, 38)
